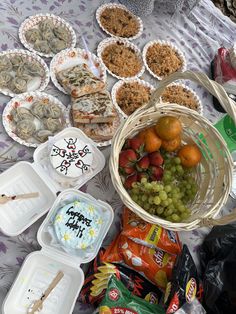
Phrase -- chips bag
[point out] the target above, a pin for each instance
(150, 235)
(119, 300)
(185, 284)
(99, 273)
(156, 265)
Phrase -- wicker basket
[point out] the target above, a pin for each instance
(214, 174)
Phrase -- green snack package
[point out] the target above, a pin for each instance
(119, 300)
(227, 129)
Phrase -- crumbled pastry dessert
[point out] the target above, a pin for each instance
(132, 95)
(93, 108)
(119, 22)
(79, 80)
(121, 60)
(163, 59)
(180, 95)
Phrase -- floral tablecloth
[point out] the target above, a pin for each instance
(199, 35)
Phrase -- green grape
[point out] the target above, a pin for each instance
(169, 212)
(169, 218)
(148, 186)
(156, 200)
(165, 203)
(167, 172)
(156, 188)
(177, 160)
(144, 180)
(144, 198)
(169, 201)
(135, 198)
(150, 200)
(135, 191)
(159, 210)
(181, 208)
(184, 216)
(163, 195)
(167, 188)
(151, 210)
(175, 217)
(173, 169)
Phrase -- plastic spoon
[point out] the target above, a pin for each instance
(92, 66)
(38, 305)
(4, 198)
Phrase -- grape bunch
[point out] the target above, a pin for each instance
(170, 197)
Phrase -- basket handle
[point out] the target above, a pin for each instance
(209, 222)
(213, 87)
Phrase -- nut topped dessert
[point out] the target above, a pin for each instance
(119, 22)
(163, 60)
(131, 96)
(180, 95)
(121, 60)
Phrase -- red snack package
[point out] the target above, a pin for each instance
(156, 265)
(223, 71)
(150, 235)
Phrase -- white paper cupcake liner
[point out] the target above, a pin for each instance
(195, 96)
(107, 42)
(163, 42)
(118, 85)
(32, 21)
(30, 56)
(120, 6)
(70, 57)
(24, 100)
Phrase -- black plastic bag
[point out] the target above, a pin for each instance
(218, 260)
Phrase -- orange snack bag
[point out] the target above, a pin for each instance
(156, 265)
(150, 235)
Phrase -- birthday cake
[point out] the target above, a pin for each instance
(71, 157)
(77, 225)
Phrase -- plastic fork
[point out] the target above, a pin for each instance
(92, 66)
(38, 305)
(4, 198)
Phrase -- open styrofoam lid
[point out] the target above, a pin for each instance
(49, 241)
(35, 276)
(18, 215)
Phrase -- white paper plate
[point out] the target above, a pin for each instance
(194, 94)
(25, 100)
(120, 6)
(33, 21)
(163, 42)
(118, 85)
(30, 57)
(70, 57)
(107, 42)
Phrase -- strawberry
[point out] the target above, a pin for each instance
(156, 173)
(136, 144)
(127, 158)
(156, 159)
(143, 163)
(142, 175)
(128, 170)
(130, 180)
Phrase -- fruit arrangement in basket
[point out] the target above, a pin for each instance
(158, 169)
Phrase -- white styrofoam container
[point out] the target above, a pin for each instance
(40, 267)
(25, 177)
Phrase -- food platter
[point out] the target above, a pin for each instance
(28, 69)
(137, 20)
(26, 100)
(71, 57)
(32, 22)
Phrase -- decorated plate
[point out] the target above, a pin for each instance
(42, 116)
(72, 57)
(118, 85)
(137, 20)
(104, 44)
(39, 37)
(163, 42)
(22, 71)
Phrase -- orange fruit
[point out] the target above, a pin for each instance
(150, 138)
(171, 146)
(190, 155)
(168, 128)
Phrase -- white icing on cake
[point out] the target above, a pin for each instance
(71, 157)
(77, 225)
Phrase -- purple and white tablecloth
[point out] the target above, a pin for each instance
(198, 35)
